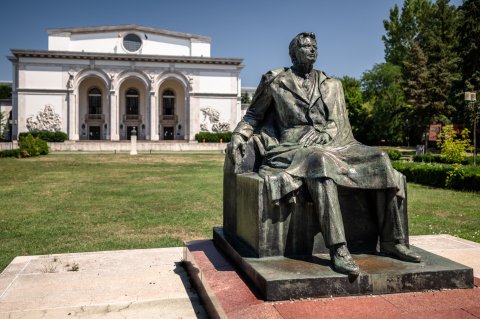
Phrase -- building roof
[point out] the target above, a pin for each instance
(128, 27)
(18, 53)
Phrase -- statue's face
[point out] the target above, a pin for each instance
(306, 52)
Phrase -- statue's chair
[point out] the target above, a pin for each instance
(290, 227)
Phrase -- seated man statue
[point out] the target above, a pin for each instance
(308, 141)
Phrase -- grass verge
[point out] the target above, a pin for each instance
(441, 211)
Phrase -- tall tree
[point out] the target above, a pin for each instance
(383, 92)
(403, 27)
(357, 114)
(5, 91)
(415, 87)
(469, 44)
(469, 51)
(440, 43)
(422, 39)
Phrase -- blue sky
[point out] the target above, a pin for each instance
(348, 31)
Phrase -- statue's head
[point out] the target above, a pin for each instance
(303, 48)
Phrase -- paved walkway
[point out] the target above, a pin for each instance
(151, 283)
(460, 250)
(146, 283)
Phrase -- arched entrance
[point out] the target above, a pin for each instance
(133, 108)
(172, 110)
(94, 109)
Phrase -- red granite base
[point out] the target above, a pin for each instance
(226, 295)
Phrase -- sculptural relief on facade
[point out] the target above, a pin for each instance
(211, 121)
(46, 120)
(71, 76)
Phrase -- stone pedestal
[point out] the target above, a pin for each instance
(281, 278)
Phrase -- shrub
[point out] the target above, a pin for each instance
(393, 154)
(18, 153)
(47, 135)
(464, 178)
(453, 149)
(457, 176)
(34, 146)
(209, 137)
(454, 175)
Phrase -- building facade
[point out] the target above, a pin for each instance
(99, 83)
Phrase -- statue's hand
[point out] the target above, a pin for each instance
(237, 144)
(323, 138)
(309, 138)
(314, 137)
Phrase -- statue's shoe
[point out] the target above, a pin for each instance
(400, 251)
(342, 261)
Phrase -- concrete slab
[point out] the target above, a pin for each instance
(146, 283)
(457, 249)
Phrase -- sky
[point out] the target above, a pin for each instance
(349, 32)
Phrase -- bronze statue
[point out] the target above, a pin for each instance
(300, 121)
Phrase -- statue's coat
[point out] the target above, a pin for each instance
(282, 112)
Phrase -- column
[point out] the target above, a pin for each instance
(153, 117)
(73, 134)
(194, 116)
(114, 117)
(188, 116)
(15, 100)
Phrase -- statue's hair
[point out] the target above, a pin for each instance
(295, 43)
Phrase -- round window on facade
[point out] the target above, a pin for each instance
(132, 42)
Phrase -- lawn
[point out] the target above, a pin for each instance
(75, 203)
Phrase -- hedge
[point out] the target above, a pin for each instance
(441, 175)
(393, 154)
(435, 158)
(18, 153)
(209, 137)
(47, 136)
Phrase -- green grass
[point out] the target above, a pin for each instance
(442, 211)
(75, 203)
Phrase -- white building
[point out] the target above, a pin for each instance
(99, 83)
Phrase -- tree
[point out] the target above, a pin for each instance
(443, 61)
(415, 86)
(453, 148)
(357, 113)
(5, 92)
(403, 27)
(246, 98)
(469, 44)
(422, 39)
(469, 52)
(383, 93)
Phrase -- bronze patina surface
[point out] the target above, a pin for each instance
(301, 194)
